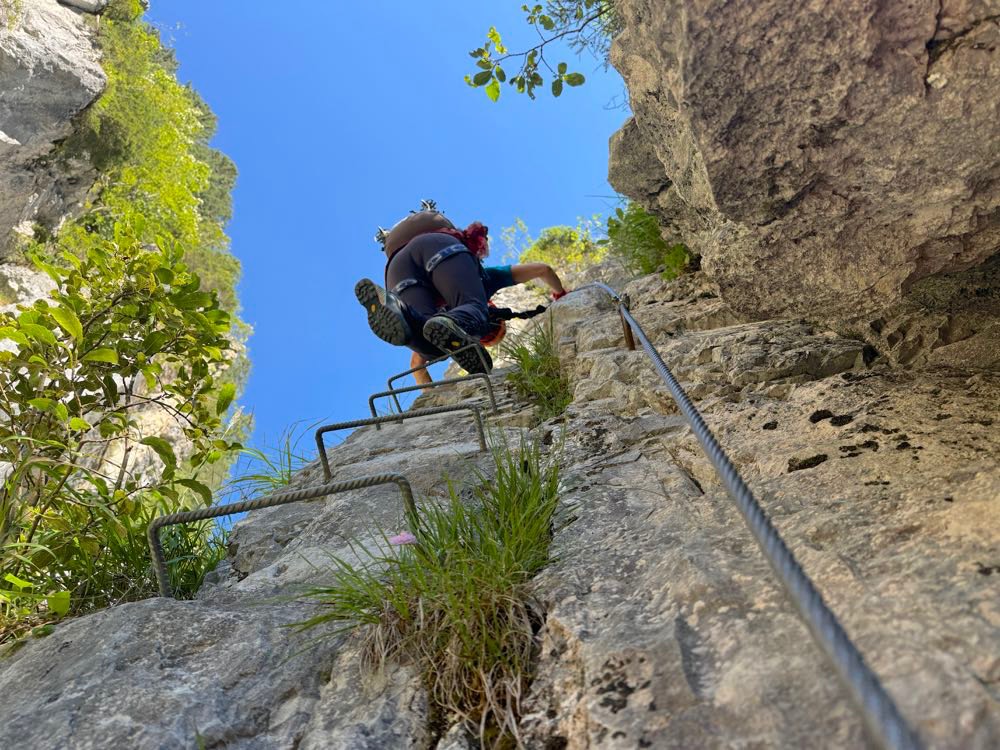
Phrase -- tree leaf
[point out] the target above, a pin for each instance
(39, 333)
(193, 300)
(501, 76)
(575, 79)
(557, 87)
(42, 404)
(226, 395)
(154, 342)
(561, 68)
(163, 449)
(493, 90)
(482, 78)
(68, 321)
(58, 602)
(102, 354)
(76, 423)
(9, 332)
(203, 491)
(20, 583)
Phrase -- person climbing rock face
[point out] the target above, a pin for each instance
(436, 294)
(496, 278)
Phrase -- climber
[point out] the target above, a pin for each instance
(496, 278)
(435, 301)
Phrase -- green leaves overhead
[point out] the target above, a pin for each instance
(568, 20)
(493, 90)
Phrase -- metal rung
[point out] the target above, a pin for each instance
(425, 365)
(395, 418)
(435, 384)
(281, 498)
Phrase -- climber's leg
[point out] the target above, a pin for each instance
(385, 314)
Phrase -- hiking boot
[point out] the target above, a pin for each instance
(446, 335)
(385, 313)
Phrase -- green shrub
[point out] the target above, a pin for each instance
(127, 330)
(140, 321)
(563, 247)
(148, 136)
(634, 237)
(538, 376)
(457, 603)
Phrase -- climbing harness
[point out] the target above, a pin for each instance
(499, 317)
(505, 313)
(281, 498)
(881, 715)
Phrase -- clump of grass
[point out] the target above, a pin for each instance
(538, 377)
(262, 471)
(457, 603)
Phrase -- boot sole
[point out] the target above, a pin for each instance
(447, 340)
(387, 324)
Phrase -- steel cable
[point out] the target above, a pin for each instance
(280, 498)
(883, 718)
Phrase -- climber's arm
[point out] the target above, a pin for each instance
(523, 272)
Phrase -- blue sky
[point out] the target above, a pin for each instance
(341, 117)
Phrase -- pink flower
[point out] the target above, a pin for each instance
(403, 538)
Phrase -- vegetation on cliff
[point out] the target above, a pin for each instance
(585, 25)
(538, 376)
(454, 597)
(114, 393)
(631, 234)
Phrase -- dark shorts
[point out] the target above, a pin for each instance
(496, 278)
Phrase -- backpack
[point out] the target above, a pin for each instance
(415, 224)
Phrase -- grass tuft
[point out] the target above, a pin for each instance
(538, 377)
(457, 604)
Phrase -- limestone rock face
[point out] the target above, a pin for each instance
(664, 626)
(49, 72)
(822, 159)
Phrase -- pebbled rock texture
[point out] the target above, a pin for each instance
(823, 158)
(664, 626)
(49, 72)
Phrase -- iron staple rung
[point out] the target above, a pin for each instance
(435, 384)
(880, 712)
(427, 364)
(280, 498)
(430, 411)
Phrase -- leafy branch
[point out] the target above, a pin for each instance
(585, 23)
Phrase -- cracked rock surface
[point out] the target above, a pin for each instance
(664, 626)
(821, 158)
(49, 72)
